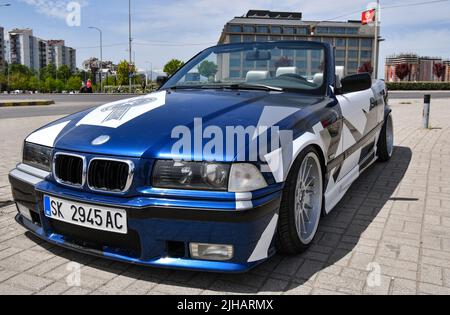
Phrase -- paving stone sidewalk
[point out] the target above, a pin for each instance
(395, 219)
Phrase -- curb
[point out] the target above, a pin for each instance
(26, 103)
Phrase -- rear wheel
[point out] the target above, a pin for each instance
(301, 205)
(386, 142)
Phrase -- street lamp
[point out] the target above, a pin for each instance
(101, 55)
(129, 39)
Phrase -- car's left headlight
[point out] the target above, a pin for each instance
(38, 156)
(207, 176)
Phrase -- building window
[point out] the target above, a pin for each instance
(262, 38)
(301, 54)
(336, 30)
(352, 66)
(235, 74)
(288, 53)
(351, 30)
(276, 52)
(340, 63)
(353, 42)
(366, 54)
(353, 54)
(262, 29)
(249, 64)
(235, 62)
(327, 40)
(340, 54)
(235, 38)
(275, 37)
(249, 29)
(276, 29)
(366, 43)
(289, 31)
(321, 30)
(302, 31)
(301, 65)
(249, 38)
(235, 28)
(340, 42)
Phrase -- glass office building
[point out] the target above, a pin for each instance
(353, 42)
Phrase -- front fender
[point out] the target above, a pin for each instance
(281, 160)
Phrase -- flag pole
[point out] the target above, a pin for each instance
(376, 44)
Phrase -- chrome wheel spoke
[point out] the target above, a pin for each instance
(305, 213)
(302, 220)
(308, 204)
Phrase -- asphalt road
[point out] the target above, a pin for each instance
(64, 104)
(68, 104)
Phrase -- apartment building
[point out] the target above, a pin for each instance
(36, 53)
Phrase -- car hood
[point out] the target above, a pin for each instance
(150, 125)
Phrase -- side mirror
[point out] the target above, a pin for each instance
(355, 83)
(161, 79)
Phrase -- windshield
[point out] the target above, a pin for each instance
(273, 66)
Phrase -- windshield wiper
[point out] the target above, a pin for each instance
(237, 86)
(249, 86)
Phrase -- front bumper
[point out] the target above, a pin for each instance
(159, 233)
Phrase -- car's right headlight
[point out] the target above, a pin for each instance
(238, 177)
(38, 156)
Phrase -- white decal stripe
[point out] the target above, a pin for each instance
(243, 196)
(244, 205)
(272, 115)
(114, 115)
(47, 136)
(261, 250)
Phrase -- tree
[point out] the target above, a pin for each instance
(439, 70)
(74, 83)
(63, 73)
(33, 83)
(18, 81)
(3, 82)
(48, 71)
(49, 85)
(207, 69)
(366, 67)
(18, 68)
(402, 71)
(123, 72)
(172, 66)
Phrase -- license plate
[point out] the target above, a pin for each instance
(85, 215)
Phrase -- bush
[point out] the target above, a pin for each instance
(418, 86)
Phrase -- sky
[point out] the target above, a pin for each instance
(165, 29)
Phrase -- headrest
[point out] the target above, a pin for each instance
(286, 70)
(257, 75)
(318, 79)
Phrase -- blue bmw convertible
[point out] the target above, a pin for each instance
(237, 156)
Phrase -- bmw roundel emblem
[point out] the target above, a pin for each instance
(100, 140)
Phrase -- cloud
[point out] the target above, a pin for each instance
(52, 8)
(160, 28)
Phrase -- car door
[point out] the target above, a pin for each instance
(360, 119)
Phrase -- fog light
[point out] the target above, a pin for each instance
(211, 251)
(24, 211)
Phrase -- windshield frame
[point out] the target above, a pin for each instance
(235, 47)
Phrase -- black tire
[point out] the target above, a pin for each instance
(287, 239)
(383, 150)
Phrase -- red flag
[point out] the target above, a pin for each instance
(368, 16)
